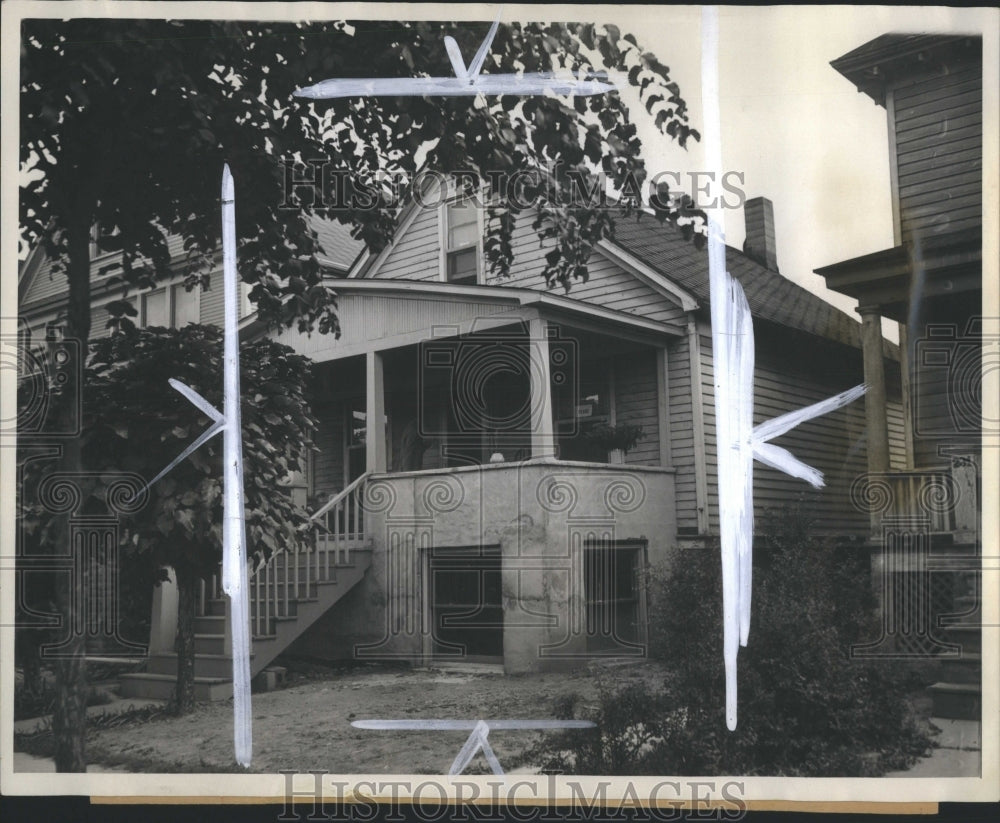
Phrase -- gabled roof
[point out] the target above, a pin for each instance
(339, 252)
(771, 296)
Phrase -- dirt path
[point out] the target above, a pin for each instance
(307, 725)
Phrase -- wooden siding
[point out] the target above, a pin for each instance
(682, 449)
(328, 463)
(212, 302)
(790, 374)
(416, 256)
(947, 386)
(371, 317)
(636, 402)
(938, 136)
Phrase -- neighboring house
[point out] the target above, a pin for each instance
(467, 509)
(930, 282)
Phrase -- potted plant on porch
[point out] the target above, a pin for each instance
(616, 440)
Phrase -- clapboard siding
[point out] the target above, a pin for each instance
(328, 462)
(416, 255)
(213, 307)
(682, 445)
(938, 137)
(636, 392)
(789, 374)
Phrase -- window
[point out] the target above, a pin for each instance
(172, 306)
(246, 305)
(462, 237)
(154, 309)
(187, 305)
(577, 412)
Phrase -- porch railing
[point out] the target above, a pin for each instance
(289, 576)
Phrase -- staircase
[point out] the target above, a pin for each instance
(958, 695)
(287, 594)
(954, 560)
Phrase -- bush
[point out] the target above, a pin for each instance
(30, 704)
(806, 708)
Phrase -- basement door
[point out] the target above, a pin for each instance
(466, 604)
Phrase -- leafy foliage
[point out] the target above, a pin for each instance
(126, 124)
(806, 707)
(134, 421)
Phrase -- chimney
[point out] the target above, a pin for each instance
(758, 214)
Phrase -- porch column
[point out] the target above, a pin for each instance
(543, 441)
(875, 398)
(904, 374)
(374, 413)
(163, 620)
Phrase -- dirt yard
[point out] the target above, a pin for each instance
(306, 726)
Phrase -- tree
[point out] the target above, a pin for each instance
(125, 125)
(180, 524)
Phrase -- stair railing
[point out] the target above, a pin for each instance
(288, 575)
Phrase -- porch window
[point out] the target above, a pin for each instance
(462, 242)
(578, 412)
(357, 440)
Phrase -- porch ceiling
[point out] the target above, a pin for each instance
(386, 314)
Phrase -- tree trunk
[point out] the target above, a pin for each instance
(187, 585)
(69, 721)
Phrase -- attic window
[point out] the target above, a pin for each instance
(462, 238)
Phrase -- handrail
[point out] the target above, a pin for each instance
(289, 575)
(340, 496)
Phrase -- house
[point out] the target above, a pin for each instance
(930, 283)
(468, 506)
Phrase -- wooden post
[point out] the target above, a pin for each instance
(163, 620)
(375, 452)
(663, 404)
(543, 441)
(875, 398)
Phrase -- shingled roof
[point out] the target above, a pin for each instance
(771, 296)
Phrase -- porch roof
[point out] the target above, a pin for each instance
(383, 314)
(940, 265)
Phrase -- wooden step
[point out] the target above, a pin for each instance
(210, 624)
(959, 701)
(210, 643)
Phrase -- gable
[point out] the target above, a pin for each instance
(416, 253)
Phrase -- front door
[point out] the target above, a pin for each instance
(466, 604)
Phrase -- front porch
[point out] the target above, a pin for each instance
(452, 437)
(536, 565)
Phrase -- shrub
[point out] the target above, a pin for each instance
(805, 706)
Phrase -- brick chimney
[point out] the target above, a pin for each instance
(758, 214)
